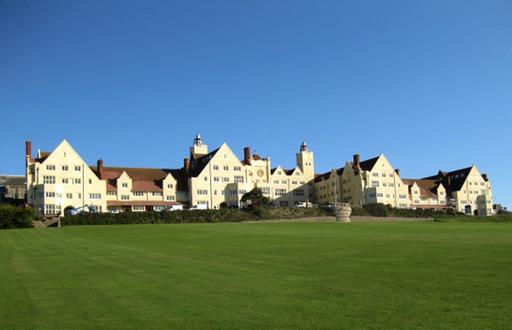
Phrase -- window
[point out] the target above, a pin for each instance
(90, 181)
(379, 195)
(50, 194)
(276, 181)
(69, 195)
(158, 208)
(283, 203)
(202, 192)
(138, 193)
(239, 178)
(170, 186)
(215, 167)
(375, 174)
(402, 196)
(79, 195)
(284, 181)
(124, 185)
(302, 182)
(169, 198)
(64, 180)
(384, 184)
(237, 168)
(65, 167)
(50, 209)
(265, 191)
(78, 181)
(294, 182)
(125, 197)
(49, 179)
(77, 168)
(111, 193)
(241, 191)
(94, 196)
(50, 167)
(225, 179)
(226, 168)
(205, 178)
(138, 208)
(298, 192)
(202, 203)
(280, 192)
(157, 194)
(375, 183)
(390, 175)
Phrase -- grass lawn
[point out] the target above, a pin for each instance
(258, 275)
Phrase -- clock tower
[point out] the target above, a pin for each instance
(199, 148)
(305, 161)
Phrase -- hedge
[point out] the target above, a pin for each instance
(15, 217)
(194, 216)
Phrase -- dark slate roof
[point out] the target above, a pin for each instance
(286, 171)
(452, 180)
(367, 165)
(327, 175)
(197, 165)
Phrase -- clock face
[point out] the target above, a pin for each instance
(260, 172)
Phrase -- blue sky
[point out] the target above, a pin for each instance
(428, 83)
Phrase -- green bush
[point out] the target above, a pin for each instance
(195, 216)
(15, 217)
(377, 210)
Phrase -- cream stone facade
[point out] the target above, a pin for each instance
(359, 183)
(61, 180)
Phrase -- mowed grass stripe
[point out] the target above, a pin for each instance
(279, 275)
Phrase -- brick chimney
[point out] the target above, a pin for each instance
(28, 149)
(357, 161)
(186, 165)
(247, 155)
(100, 169)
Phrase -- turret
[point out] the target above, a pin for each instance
(305, 161)
(199, 148)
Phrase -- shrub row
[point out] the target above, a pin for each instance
(195, 216)
(381, 210)
(15, 217)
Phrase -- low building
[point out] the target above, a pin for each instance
(12, 189)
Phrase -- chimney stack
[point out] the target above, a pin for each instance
(247, 155)
(186, 165)
(100, 168)
(28, 149)
(397, 170)
(357, 161)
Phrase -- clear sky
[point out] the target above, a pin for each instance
(427, 83)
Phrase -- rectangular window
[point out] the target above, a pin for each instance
(375, 183)
(226, 168)
(65, 167)
(202, 192)
(170, 198)
(111, 193)
(69, 195)
(225, 179)
(280, 192)
(77, 168)
(157, 194)
(170, 186)
(237, 168)
(50, 167)
(375, 174)
(78, 181)
(138, 193)
(49, 179)
(124, 185)
(380, 195)
(276, 181)
(215, 179)
(50, 194)
(94, 196)
(125, 197)
(64, 180)
(138, 208)
(215, 167)
(298, 192)
(239, 178)
(284, 181)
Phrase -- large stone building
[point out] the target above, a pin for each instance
(375, 181)
(61, 180)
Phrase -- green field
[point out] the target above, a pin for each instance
(258, 275)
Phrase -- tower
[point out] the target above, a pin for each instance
(305, 161)
(199, 148)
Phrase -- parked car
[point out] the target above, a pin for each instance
(177, 207)
(198, 207)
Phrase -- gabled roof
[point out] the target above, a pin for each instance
(327, 175)
(198, 164)
(367, 165)
(428, 188)
(452, 180)
(143, 179)
(44, 155)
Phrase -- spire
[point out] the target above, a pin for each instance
(304, 147)
(198, 140)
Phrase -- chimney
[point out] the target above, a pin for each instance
(100, 168)
(186, 165)
(357, 161)
(28, 149)
(397, 170)
(247, 155)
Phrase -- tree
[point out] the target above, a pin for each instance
(254, 199)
